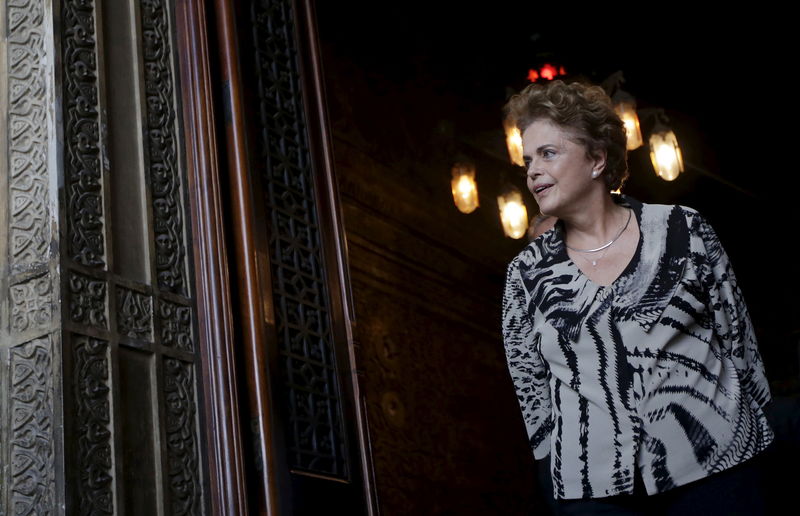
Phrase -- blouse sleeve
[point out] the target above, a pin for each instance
(732, 320)
(525, 363)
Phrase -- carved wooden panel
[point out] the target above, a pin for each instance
(182, 452)
(88, 300)
(175, 323)
(91, 385)
(134, 314)
(315, 431)
(162, 152)
(82, 161)
(133, 413)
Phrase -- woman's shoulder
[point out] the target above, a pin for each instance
(668, 209)
(696, 223)
(688, 226)
(677, 213)
(539, 251)
(527, 256)
(537, 257)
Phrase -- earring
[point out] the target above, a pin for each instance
(594, 173)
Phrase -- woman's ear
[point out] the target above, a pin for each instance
(599, 162)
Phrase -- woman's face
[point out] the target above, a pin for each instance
(559, 174)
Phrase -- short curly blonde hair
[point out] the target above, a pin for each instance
(584, 109)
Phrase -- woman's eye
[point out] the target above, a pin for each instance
(548, 153)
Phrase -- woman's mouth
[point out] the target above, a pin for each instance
(541, 188)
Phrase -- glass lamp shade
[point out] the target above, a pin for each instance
(513, 214)
(665, 153)
(627, 112)
(513, 142)
(465, 190)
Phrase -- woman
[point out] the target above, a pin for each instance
(627, 338)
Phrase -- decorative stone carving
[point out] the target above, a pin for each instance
(34, 480)
(181, 425)
(32, 304)
(134, 314)
(29, 227)
(93, 416)
(87, 300)
(175, 325)
(162, 149)
(31, 472)
(82, 135)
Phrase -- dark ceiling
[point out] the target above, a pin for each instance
(712, 72)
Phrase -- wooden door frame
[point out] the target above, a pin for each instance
(228, 490)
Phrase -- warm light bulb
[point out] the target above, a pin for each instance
(464, 188)
(627, 112)
(513, 214)
(665, 154)
(514, 142)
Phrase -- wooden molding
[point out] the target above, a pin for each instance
(228, 488)
(250, 266)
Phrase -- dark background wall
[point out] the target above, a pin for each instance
(412, 88)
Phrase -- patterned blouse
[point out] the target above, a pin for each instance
(659, 370)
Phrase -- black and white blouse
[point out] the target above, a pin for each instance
(659, 370)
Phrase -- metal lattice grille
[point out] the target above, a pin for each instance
(302, 311)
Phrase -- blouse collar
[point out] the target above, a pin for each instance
(564, 295)
(558, 232)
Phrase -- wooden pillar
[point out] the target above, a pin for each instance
(100, 347)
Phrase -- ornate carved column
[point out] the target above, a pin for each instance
(31, 443)
(99, 361)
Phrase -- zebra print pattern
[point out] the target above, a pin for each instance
(659, 370)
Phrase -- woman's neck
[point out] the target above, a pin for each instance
(595, 224)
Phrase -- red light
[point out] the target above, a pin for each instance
(548, 72)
